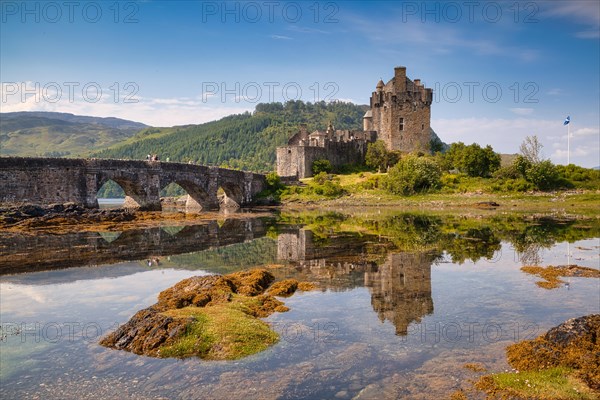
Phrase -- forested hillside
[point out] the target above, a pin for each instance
(244, 141)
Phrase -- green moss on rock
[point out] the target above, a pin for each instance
(212, 317)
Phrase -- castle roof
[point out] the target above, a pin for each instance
(368, 114)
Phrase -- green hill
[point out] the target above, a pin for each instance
(52, 134)
(244, 141)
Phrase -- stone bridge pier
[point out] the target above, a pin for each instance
(45, 181)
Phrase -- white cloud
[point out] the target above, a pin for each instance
(584, 12)
(440, 38)
(554, 92)
(280, 37)
(522, 111)
(586, 132)
(591, 34)
(296, 28)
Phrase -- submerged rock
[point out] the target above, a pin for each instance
(552, 274)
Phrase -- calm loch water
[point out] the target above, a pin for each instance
(405, 301)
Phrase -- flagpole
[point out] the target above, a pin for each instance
(568, 143)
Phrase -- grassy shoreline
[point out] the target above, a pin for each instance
(366, 189)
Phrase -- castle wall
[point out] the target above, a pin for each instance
(297, 161)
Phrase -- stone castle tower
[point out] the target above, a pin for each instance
(400, 113)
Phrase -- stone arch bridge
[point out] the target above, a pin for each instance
(45, 181)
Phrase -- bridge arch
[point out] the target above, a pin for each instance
(232, 196)
(135, 194)
(199, 197)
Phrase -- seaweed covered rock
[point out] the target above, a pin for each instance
(252, 282)
(552, 274)
(574, 344)
(213, 317)
(196, 291)
(284, 288)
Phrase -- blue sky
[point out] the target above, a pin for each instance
(500, 70)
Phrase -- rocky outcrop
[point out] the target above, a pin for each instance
(146, 332)
(573, 344)
(184, 313)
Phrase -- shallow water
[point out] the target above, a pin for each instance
(395, 317)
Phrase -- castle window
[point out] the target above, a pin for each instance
(289, 152)
(401, 124)
(422, 126)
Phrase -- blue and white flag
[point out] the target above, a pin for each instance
(567, 120)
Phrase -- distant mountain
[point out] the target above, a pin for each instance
(53, 134)
(244, 141)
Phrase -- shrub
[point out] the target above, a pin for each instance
(319, 166)
(509, 172)
(583, 177)
(543, 175)
(327, 185)
(274, 181)
(413, 174)
(372, 182)
(512, 185)
(330, 189)
(449, 180)
(321, 178)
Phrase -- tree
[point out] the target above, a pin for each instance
(413, 174)
(521, 165)
(531, 149)
(453, 156)
(378, 156)
(472, 160)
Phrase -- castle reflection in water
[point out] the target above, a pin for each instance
(400, 286)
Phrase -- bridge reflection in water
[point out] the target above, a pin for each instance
(26, 253)
(399, 282)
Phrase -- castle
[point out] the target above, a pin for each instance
(399, 116)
